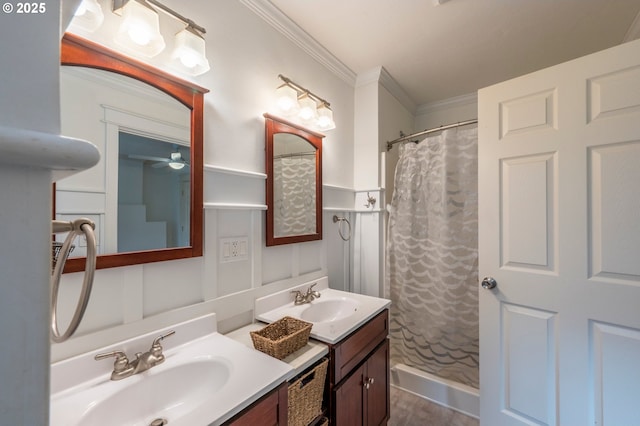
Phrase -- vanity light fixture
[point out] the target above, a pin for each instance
(139, 32)
(293, 99)
(88, 16)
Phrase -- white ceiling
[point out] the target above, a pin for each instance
(436, 52)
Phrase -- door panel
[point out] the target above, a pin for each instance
(349, 399)
(615, 204)
(377, 406)
(615, 350)
(528, 351)
(528, 211)
(559, 230)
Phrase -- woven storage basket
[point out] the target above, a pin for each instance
(305, 395)
(282, 337)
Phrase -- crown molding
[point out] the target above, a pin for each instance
(389, 83)
(457, 101)
(381, 75)
(283, 24)
(633, 32)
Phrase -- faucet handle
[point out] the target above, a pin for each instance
(312, 292)
(156, 341)
(120, 364)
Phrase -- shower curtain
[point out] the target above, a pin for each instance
(294, 194)
(432, 257)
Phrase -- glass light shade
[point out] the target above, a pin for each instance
(287, 99)
(139, 31)
(189, 54)
(88, 16)
(176, 165)
(307, 108)
(325, 118)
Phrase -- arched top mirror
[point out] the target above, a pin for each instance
(145, 195)
(294, 182)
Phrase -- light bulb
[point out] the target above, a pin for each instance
(189, 59)
(139, 34)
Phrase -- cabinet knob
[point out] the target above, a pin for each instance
(368, 382)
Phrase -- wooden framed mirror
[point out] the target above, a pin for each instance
(146, 193)
(294, 182)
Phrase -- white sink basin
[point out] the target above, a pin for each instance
(334, 315)
(170, 394)
(205, 380)
(329, 310)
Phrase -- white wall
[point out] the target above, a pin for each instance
(246, 56)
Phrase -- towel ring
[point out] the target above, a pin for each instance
(342, 219)
(77, 227)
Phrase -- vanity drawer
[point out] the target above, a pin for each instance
(347, 354)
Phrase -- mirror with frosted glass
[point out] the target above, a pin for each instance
(294, 182)
(145, 194)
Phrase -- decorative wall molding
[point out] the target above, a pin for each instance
(282, 23)
(235, 206)
(381, 76)
(227, 188)
(457, 101)
(389, 83)
(633, 32)
(231, 171)
(337, 198)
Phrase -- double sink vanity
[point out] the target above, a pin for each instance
(197, 376)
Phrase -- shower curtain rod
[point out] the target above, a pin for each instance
(403, 138)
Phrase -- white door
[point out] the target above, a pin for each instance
(559, 231)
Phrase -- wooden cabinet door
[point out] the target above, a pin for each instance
(377, 393)
(270, 410)
(349, 401)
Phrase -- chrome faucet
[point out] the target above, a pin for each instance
(302, 298)
(122, 368)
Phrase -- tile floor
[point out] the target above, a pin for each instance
(408, 409)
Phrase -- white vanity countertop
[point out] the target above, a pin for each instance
(81, 385)
(300, 360)
(345, 311)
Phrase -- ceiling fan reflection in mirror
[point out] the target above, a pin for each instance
(175, 160)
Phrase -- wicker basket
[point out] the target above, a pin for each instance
(305, 395)
(282, 337)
